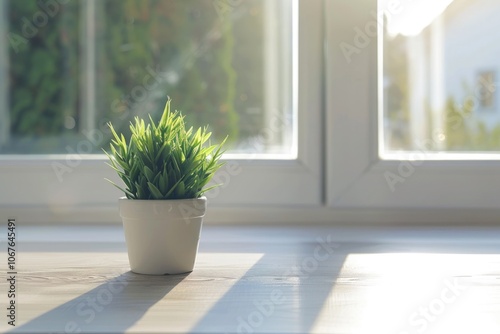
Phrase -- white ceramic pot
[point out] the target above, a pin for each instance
(162, 235)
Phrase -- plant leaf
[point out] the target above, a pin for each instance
(154, 191)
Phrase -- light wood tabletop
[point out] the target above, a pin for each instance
(261, 280)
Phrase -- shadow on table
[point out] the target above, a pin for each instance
(284, 292)
(290, 285)
(114, 306)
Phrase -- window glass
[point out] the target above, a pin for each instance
(440, 60)
(69, 67)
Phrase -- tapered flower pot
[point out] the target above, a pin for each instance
(162, 235)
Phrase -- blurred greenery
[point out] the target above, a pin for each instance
(211, 66)
(463, 129)
(465, 133)
(42, 92)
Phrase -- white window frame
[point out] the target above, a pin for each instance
(33, 192)
(338, 176)
(428, 187)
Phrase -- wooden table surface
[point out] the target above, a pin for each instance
(262, 280)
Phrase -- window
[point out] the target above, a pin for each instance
(74, 67)
(437, 94)
(371, 133)
(245, 67)
(374, 166)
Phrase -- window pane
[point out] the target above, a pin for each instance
(68, 69)
(440, 75)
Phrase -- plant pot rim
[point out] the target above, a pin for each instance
(202, 198)
(161, 208)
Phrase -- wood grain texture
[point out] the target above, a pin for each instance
(263, 280)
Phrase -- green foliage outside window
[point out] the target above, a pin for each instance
(43, 61)
(464, 132)
(144, 51)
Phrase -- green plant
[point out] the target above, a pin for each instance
(164, 160)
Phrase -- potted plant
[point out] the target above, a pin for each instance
(165, 168)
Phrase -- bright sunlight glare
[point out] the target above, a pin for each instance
(405, 293)
(410, 17)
